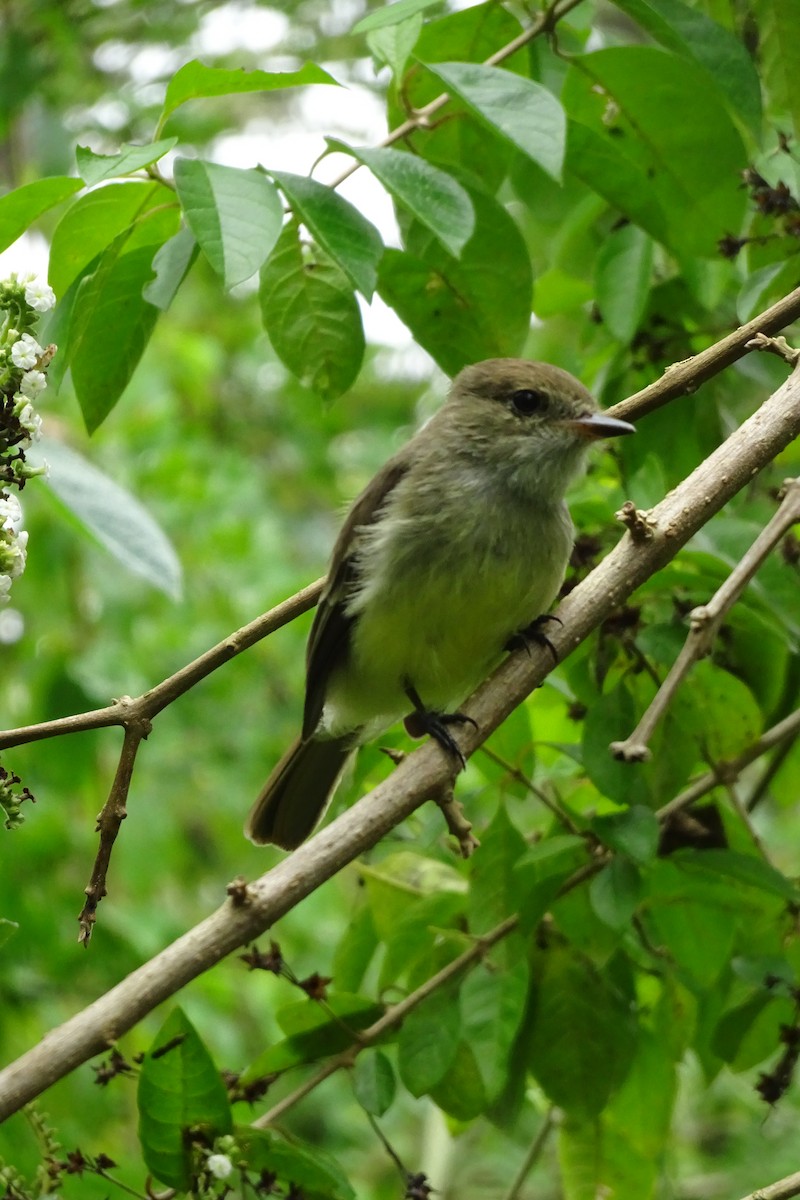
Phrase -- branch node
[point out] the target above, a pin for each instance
(630, 751)
(774, 345)
(239, 892)
(638, 521)
(457, 823)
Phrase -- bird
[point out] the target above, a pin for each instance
(458, 544)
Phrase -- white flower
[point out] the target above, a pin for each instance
(25, 353)
(32, 383)
(30, 421)
(219, 1165)
(5, 588)
(39, 295)
(10, 512)
(14, 554)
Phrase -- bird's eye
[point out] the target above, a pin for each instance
(527, 402)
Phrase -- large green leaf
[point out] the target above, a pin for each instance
(102, 365)
(466, 309)
(315, 1031)
(20, 208)
(432, 196)
(493, 999)
(312, 316)
(648, 101)
(111, 516)
(595, 159)
(195, 80)
(583, 1039)
(236, 215)
(520, 110)
(428, 1042)
(179, 1089)
(92, 223)
(689, 32)
(780, 61)
(344, 234)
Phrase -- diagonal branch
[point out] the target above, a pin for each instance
(255, 908)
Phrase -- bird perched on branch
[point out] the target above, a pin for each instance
(457, 545)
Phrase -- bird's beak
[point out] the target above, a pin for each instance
(598, 425)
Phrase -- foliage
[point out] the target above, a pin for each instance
(626, 173)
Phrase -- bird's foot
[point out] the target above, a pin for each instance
(534, 633)
(435, 724)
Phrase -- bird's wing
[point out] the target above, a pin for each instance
(329, 640)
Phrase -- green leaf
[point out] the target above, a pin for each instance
(634, 833)
(743, 868)
(94, 168)
(432, 196)
(460, 1092)
(179, 1089)
(415, 931)
(374, 1083)
(779, 55)
(236, 215)
(314, 1174)
(392, 44)
(615, 893)
(696, 924)
(111, 516)
(20, 208)
(648, 102)
(493, 1003)
(195, 80)
(541, 871)
(102, 366)
(315, 1031)
(172, 263)
(583, 1039)
(312, 317)
(92, 223)
(622, 280)
(355, 950)
(392, 14)
(690, 33)
(596, 160)
(428, 1042)
(467, 309)
(493, 884)
(344, 234)
(523, 112)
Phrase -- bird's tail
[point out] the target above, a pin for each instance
(297, 792)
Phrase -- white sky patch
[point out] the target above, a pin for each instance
(240, 26)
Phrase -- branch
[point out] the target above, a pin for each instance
(783, 1189)
(728, 772)
(705, 621)
(128, 712)
(422, 773)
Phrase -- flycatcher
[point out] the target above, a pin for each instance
(457, 545)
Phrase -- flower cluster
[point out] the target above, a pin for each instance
(23, 366)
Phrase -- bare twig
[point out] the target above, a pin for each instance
(782, 1189)
(128, 712)
(685, 510)
(705, 621)
(534, 1150)
(727, 772)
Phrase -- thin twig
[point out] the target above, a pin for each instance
(421, 117)
(782, 1189)
(705, 621)
(534, 1150)
(726, 772)
(127, 711)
